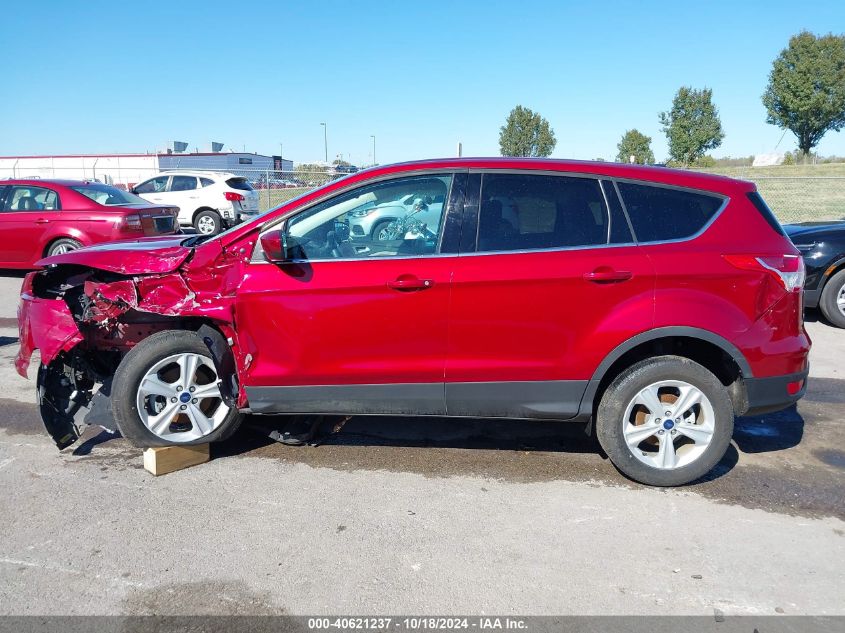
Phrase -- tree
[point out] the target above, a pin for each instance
(692, 126)
(806, 91)
(526, 133)
(635, 143)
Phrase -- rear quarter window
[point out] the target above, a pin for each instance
(239, 183)
(761, 206)
(660, 213)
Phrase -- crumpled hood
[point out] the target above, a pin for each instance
(144, 255)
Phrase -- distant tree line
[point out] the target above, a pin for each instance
(805, 95)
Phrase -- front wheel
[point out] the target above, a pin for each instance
(166, 391)
(832, 302)
(665, 421)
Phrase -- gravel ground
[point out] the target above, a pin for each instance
(423, 516)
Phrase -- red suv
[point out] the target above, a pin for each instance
(39, 218)
(652, 304)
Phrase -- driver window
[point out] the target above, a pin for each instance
(395, 218)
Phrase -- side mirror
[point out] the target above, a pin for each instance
(272, 243)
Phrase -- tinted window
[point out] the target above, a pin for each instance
(620, 232)
(156, 185)
(524, 212)
(660, 213)
(765, 211)
(27, 198)
(239, 183)
(206, 182)
(183, 183)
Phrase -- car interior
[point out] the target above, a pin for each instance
(323, 232)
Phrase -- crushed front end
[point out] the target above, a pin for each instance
(84, 320)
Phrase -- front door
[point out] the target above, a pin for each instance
(554, 284)
(354, 324)
(25, 215)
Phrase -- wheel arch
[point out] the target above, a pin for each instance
(76, 236)
(830, 271)
(200, 210)
(708, 349)
(379, 222)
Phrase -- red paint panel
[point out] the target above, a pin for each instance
(331, 323)
(534, 316)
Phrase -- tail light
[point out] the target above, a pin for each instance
(131, 223)
(233, 197)
(788, 270)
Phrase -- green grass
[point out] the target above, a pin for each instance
(797, 193)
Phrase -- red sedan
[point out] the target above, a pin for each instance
(39, 218)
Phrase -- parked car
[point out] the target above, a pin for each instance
(379, 221)
(823, 246)
(650, 305)
(39, 218)
(209, 201)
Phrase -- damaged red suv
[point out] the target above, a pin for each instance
(650, 304)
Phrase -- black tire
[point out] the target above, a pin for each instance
(615, 400)
(378, 227)
(132, 369)
(830, 293)
(62, 245)
(206, 219)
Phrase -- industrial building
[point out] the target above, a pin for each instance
(129, 169)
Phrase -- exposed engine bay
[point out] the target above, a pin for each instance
(84, 321)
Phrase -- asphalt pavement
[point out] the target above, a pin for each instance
(423, 516)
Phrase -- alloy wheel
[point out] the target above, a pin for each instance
(179, 398)
(206, 225)
(668, 424)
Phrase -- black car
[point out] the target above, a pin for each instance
(823, 246)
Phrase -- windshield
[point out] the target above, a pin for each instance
(108, 195)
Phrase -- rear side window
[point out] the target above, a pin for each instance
(183, 183)
(659, 213)
(239, 183)
(766, 212)
(206, 182)
(528, 212)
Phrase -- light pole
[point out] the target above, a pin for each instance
(326, 141)
(373, 136)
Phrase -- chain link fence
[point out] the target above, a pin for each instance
(791, 198)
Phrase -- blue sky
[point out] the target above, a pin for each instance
(419, 75)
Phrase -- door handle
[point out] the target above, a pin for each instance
(42, 221)
(608, 275)
(407, 283)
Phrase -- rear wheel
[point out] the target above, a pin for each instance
(666, 421)
(208, 223)
(167, 391)
(832, 301)
(62, 246)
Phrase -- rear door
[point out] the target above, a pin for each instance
(554, 283)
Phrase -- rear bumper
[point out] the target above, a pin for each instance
(775, 393)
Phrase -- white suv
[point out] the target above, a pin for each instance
(208, 200)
